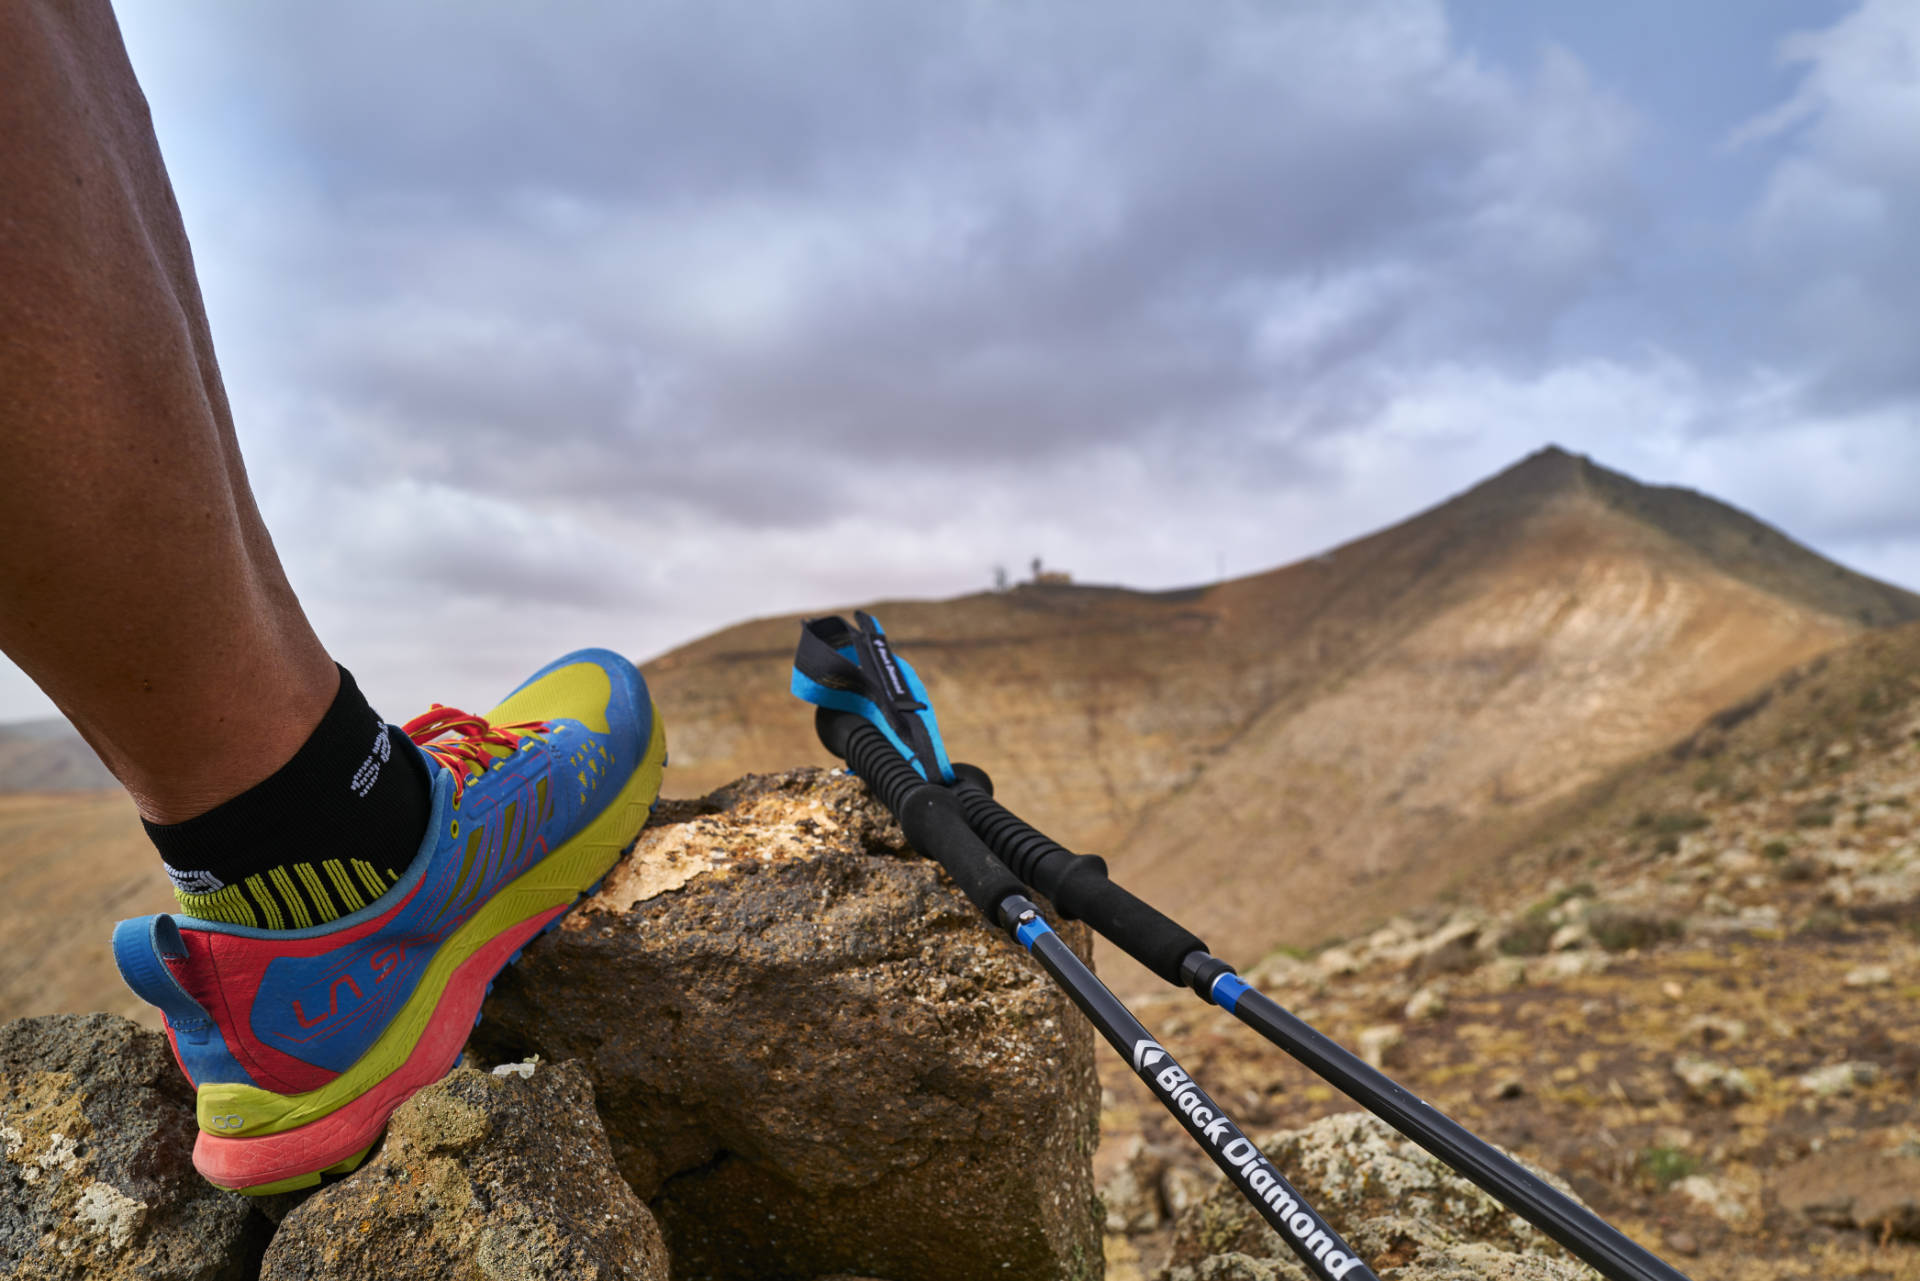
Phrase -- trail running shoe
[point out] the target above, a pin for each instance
(300, 1043)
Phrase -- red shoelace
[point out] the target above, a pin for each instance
(472, 736)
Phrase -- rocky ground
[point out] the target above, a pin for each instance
(1695, 999)
(777, 1045)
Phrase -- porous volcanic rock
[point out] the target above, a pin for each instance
(96, 1161)
(1396, 1205)
(811, 1053)
(495, 1176)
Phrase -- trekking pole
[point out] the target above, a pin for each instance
(931, 816)
(1079, 887)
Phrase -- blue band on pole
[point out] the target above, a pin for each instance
(1227, 989)
(1030, 932)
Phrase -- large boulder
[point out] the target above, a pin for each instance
(503, 1176)
(96, 1161)
(1396, 1205)
(812, 1055)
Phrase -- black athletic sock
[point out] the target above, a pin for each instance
(324, 835)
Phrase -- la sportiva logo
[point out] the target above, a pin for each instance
(379, 965)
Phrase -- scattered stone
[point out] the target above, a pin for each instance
(1452, 949)
(1570, 936)
(481, 1175)
(1393, 1202)
(1682, 1243)
(1336, 962)
(1182, 1186)
(1506, 973)
(1714, 1196)
(1838, 1079)
(803, 1037)
(1282, 971)
(1427, 1003)
(1132, 1195)
(1511, 1087)
(1569, 965)
(1710, 1081)
(1572, 908)
(1869, 976)
(1714, 1029)
(1622, 929)
(1854, 1185)
(96, 1161)
(1380, 1045)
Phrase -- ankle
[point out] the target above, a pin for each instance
(319, 837)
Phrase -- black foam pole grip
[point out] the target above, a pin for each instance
(1077, 884)
(930, 815)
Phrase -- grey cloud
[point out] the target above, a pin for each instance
(682, 243)
(1835, 235)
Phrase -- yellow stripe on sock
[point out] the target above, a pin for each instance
(316, 891)
(338, 875)
(236, 902)
(369, 877)
(263, 895)
(296, 905)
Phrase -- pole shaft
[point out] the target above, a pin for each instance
(1309, 1236)
(1574, 1226)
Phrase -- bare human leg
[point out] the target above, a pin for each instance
(138, 585)
(347, 894)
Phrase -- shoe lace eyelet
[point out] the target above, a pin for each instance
(456, 828)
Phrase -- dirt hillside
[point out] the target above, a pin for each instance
(1276, 756)
(1690, 989)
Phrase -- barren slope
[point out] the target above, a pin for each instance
(1690, 990)
(75, 863)
(1278, 756)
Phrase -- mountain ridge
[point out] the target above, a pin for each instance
(1340, 713)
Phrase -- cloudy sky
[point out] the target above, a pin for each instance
(566, 324)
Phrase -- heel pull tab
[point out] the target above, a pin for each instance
(142, 947)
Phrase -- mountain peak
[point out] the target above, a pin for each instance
(1734, 542)
(1544, 473)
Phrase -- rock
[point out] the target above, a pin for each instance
(1182, 1186)
(1710, 1081)
(484, 1176)
(1241, 1267)
(1854, 1185)
(1337, 962)
(1452, 949)
(1282, 971)
(1568, 965)
(1715, 1029)
(1380, 1045)
(811, 1053)
(96, 1161)
(1569, 937)
(1132, 1195)
(1509, 1087)
(1427, 1003)
(1393, 1202)
(1714, 1196)
(1838, 1079)
(1869, 976)
(1505, 974)
(1620, 929)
